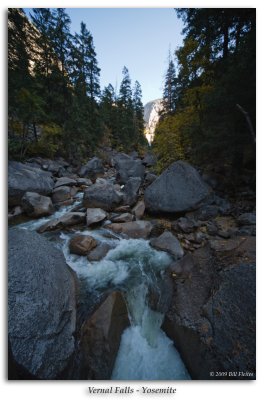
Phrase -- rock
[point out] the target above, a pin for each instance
(149, 178)
(237, 250)
(94, 216)
(135, 229)
(232, 312)
(68, 219)
(247, 219)
(101, 181)
(139, 209)
(23, 178)
(55, 167)
(131, 191)
(183, 267)
(204, 213)
(99, 252)
(119, 157)
(149, 160)
(92, 169)
(249, 230)
(101, 336)
(102, 196)
(82, 244)
(41, 306)
(83, 182)
(185, 225)
(168, 242)
(129, 168)
(15, 212)
(126, 217)
(65, 181)
(212, 313)
(122, 209)
(178, 189)
(61, 194)
(133, 154)
(159, 227)
(35, 205)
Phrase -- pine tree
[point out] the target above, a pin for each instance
(85, 71)
(84, 74)
(60, 40)
(170, 89)
(138, 115)
(126, 111)
(25, 106)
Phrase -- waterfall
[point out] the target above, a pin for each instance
(137, 270)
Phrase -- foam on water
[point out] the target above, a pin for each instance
(135, 268)
(138, 360)
(33, 225)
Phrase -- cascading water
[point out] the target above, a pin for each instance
(136, 269)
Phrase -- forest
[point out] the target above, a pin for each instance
(56, 106)
(55, 103)
(209, 92)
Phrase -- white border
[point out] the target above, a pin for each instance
(78, 389)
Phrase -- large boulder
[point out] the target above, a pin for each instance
(101, 337)
(94, 216)
(82, 244)
(131, 191)
(212, 314)
(23, 178)
(168, 242)
(67, 220)
(41, 307)
(102, 196)
(134, 229)
(35, 205)
(178, 189)
(92, 169)
(128, 168)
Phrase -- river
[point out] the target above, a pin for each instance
(135, 268)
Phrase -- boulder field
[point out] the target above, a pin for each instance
(211, 281)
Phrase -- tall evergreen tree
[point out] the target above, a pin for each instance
(25, 106)
(84, 73)
(170, 89)
(138, 114)
(60, 40)
(126, 111)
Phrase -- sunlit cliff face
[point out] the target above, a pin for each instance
(152, 116)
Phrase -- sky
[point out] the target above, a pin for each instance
(138, 38)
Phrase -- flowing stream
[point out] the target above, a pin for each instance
(135, 268)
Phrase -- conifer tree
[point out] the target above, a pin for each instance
(138, 114)
(84, 73)
(126, 111)
(170, 89)
(60, 40)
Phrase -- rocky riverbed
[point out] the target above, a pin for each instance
(67, 322)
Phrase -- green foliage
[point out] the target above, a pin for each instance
(170, 92)
(55, 104)
(216, 71)
(49, 142)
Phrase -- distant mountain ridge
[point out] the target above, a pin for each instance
(151, 117)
